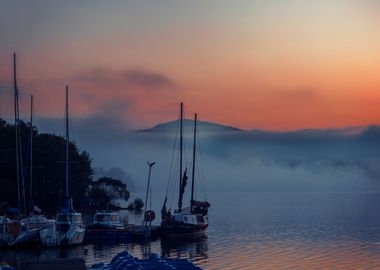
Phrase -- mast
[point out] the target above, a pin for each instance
(147, 192)
(193, 172)
(68, 187)
(180, 156)
(15, 91)
(31, 155)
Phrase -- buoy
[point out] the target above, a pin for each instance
(149, 215)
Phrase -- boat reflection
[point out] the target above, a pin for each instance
(185, 248)
(16, 256)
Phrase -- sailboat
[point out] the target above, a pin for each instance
(9, 229)
(68, 228)
(24, 231)
(191, 221)
(34, 221)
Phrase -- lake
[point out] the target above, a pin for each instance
(251, 230)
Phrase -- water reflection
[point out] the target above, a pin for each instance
(196, 248)
(19, 255)
(261, 231)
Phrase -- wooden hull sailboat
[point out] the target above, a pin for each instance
(190, 222)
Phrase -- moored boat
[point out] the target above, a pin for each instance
(107, 220)
(24, 228)
(192, 221)
(109, 226)
(68, 228)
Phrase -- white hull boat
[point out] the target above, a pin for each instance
(68, 230)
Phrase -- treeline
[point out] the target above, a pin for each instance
(48, 169)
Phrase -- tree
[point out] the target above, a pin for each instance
(49, 168)
(107, 187)
(114, 188)
(138, 204)
(99, 199)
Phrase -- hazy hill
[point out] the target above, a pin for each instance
(188, 125)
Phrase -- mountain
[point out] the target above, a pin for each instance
(188, 124)
(236, 135)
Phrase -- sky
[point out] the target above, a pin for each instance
(273, 65)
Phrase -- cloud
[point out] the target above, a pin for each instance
(132, 77)
(108, 123)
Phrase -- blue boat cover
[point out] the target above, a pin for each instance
(125, 261)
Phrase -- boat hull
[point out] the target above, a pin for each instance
(52, 237)
(181, 230)
(27, 237)
(15, 234)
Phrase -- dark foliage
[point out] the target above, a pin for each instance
(48, 168)
(104, 190)
(99, 198)
(138, 204)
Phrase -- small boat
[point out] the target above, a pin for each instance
(30, 227)
(107, 220)
(108, 226)
(16, 233)
(192, 221)
(68, 228)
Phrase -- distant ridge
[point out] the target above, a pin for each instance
(344, 131)
(371, 132)
(363, 133)
(204, 126)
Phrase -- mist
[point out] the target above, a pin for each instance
(229, 159)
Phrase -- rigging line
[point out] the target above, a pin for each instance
(201, 187)
(203, 181)
(174, 186)
(197, 168)
(185, 134)
(189, 109)
(22, 161)
(172, 180)
(7, 113)
(173, 155)
(169, 188)
(172, 159)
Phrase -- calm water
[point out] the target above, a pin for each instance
(264, 231)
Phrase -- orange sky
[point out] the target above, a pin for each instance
(276, 65)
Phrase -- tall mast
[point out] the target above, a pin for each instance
(68, 187)
(147, 192)
(31, 154)
(15, 91)
(193, 172)
(180, 154)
